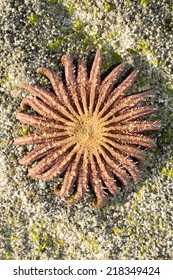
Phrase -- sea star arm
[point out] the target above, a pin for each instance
(38, 138)
(94, 80)
(43, 109)
(38, 153)
(68, 180)
(137, 126)
(120, 91)
(106, 175)
(40, 122)
(54, 79)
(108, 84)
(82, 182)
(128, 102)
(82, 81)
(132, 114)
(59, 88)
(126, 162)
(129, 150)
(97, 185)
(60, 165)
(70, 176)
(137, 139)
(118, 170)
(49, 99)
(71, 81)
(47, 162)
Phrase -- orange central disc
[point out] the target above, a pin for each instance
(87, 132)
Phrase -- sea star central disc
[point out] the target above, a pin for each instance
(87, 132)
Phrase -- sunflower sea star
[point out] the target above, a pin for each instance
(89, 131)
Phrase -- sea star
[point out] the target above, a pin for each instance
(90, 132)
